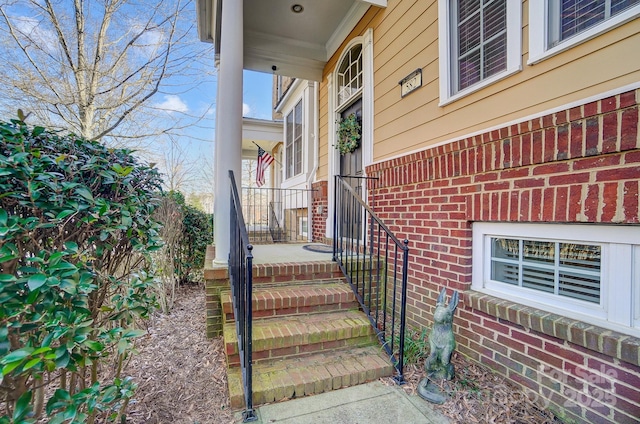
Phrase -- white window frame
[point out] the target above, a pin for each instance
(286, 158)
(303, 222)
(514, 51)
(539, 30)
(620, 282)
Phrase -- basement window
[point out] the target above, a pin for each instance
(584, 272)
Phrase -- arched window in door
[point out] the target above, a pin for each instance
(350, 76)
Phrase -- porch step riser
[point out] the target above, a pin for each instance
(295, 336)
(315, 374)
(295, 300)
(233, 360)
(293, 273)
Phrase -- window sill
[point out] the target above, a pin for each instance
(597, 339)
(295, 181)
(447, 99)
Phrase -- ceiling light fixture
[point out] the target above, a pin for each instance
(297, 8)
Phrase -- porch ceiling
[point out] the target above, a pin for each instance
(267, 134)
(297, 44)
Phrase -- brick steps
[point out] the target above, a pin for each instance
(302, 335)
(309, 335)
(295, 300)
(277, 380)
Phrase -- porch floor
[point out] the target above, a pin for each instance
(288, 253)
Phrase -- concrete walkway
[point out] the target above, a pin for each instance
(369, 403)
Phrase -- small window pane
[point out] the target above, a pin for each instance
(538, 278)
(470, 70)
(466, 8)
(289, 145)
(539, 251)
(495, 56)
(469, 35)
(505, 273)
(579, 287)
(505, 248)
(495, 19)
(580, 256)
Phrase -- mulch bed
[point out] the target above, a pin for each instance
(181, 374)
(477, 395)
(182, 378)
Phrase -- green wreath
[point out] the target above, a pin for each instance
(348, 134)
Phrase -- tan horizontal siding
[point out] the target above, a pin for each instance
(406, 38)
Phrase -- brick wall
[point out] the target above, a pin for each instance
(580, 165)
(320, 212)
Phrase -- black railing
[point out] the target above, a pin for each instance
(276, 215)
(374, 263)
(241, 280)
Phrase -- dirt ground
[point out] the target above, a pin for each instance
(182, 378)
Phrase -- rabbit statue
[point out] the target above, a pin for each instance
(438, 365)
(441, 341)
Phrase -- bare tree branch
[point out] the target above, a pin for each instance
(94, 67)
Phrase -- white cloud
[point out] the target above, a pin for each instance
(246, 110)
(31, 28)
(173, 103)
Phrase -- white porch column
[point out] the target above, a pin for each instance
(228, 147)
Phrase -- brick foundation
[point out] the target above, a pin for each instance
(580, 165)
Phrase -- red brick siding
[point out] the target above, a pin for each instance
(580, 165)
(319, 211)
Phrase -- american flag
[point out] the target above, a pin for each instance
(264, 160)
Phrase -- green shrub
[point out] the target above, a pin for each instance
(197, 234)
(75, 236)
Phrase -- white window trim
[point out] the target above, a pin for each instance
(617, 306)
(514, 51)
(299, 100)
(538, 30)
(301, 221)
(300, 90)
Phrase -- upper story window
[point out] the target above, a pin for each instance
(585, 272)
(350, 75)
(480, 41)
(293, 145)
(556, 25)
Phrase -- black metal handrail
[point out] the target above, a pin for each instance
(241, 280)
(375, 263)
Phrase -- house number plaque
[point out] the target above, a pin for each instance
(411, 82)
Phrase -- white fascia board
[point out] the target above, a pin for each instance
(377, 3)
(348, 23)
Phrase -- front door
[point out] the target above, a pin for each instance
(351, 170)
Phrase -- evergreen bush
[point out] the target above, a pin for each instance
(76, 232)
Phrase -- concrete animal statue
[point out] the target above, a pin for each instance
(441, 340)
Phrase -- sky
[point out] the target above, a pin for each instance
(257, 103)
(257, 94)
(179, 95)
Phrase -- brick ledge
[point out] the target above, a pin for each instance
(608, 342)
